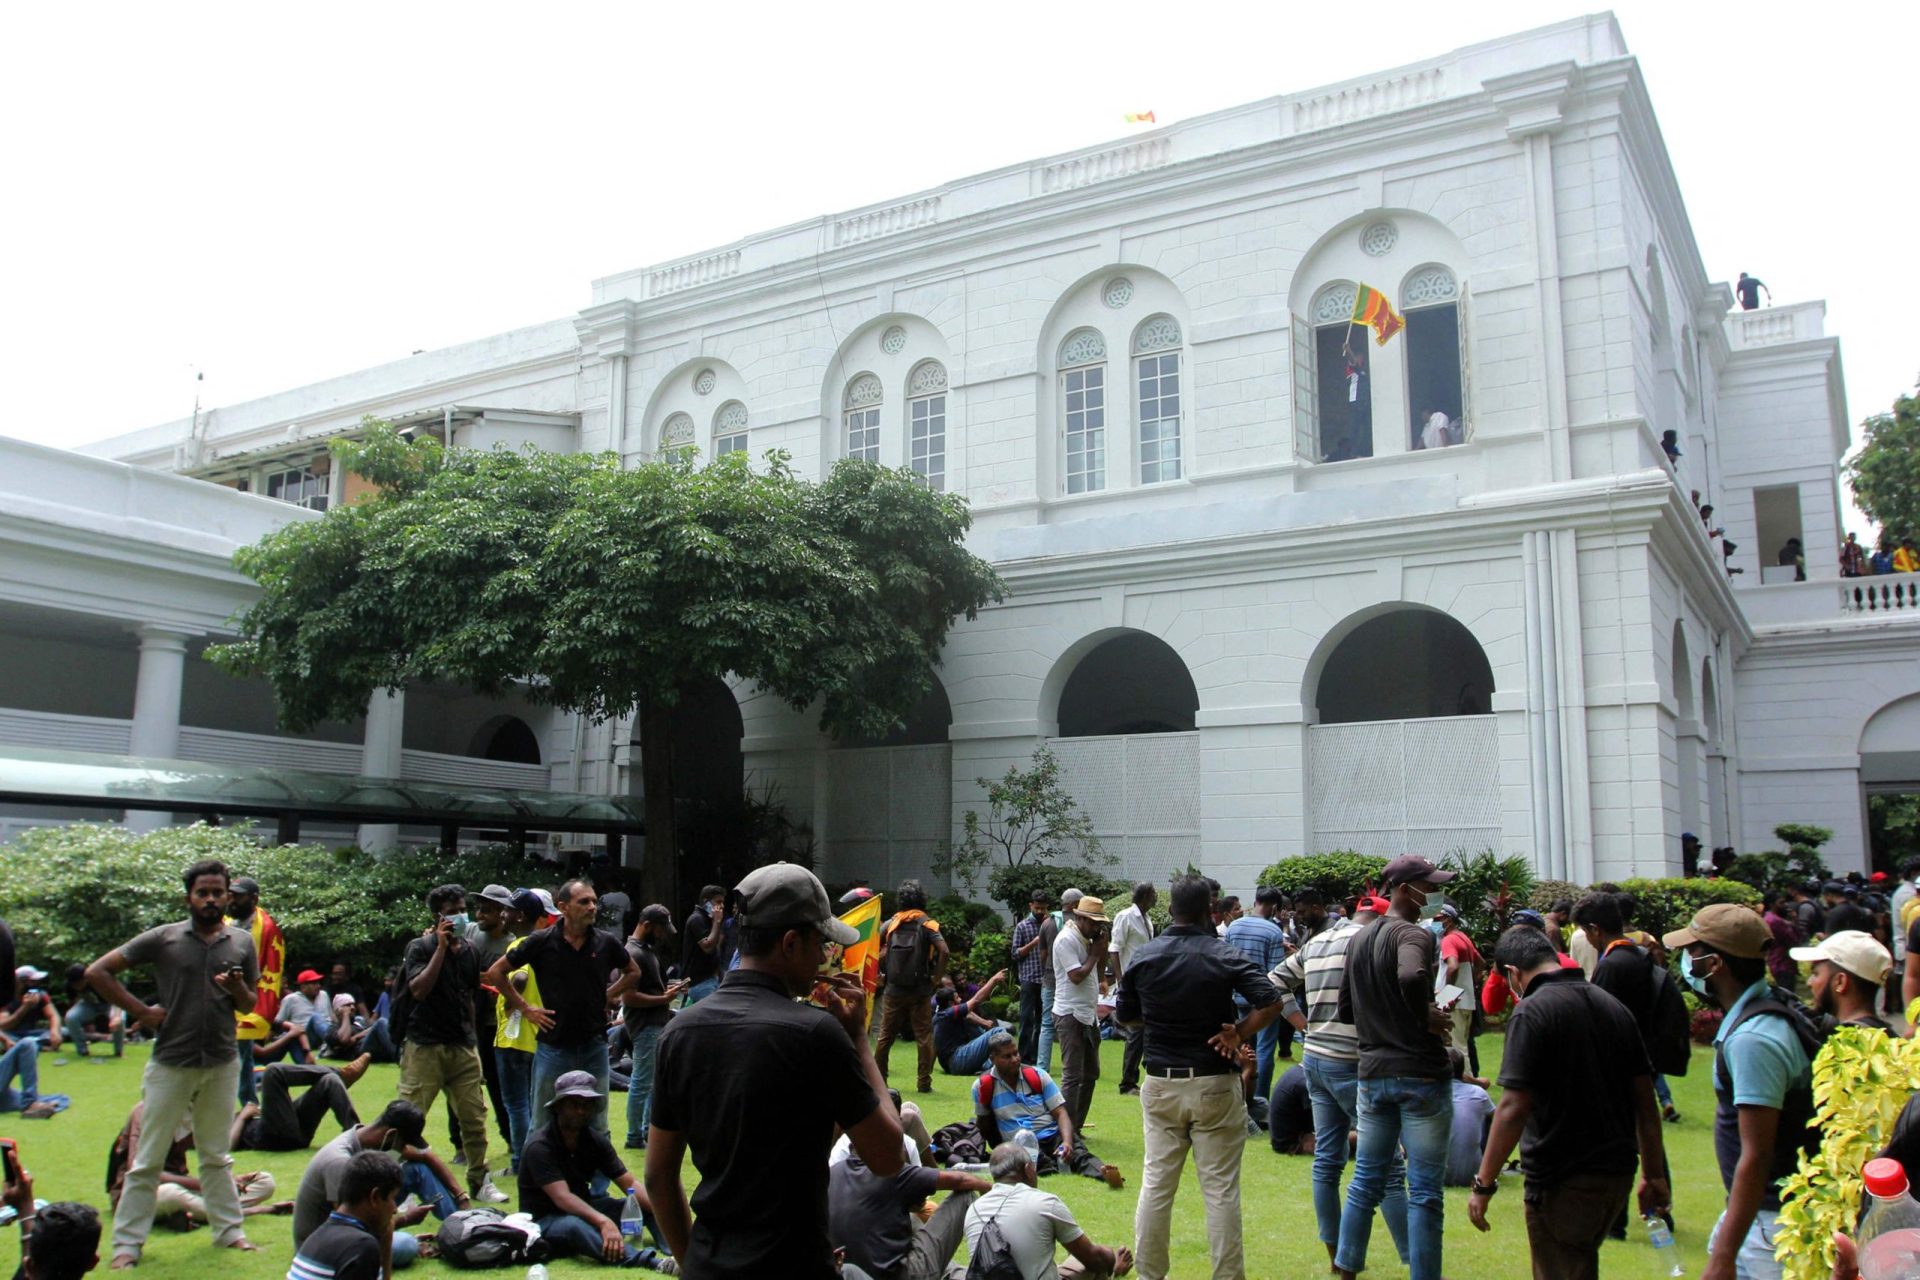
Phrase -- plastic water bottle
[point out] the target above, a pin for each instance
(632, 1221)
(538, 1271)
(1890, 1230)
(1664, 1249)
(1024, 1139)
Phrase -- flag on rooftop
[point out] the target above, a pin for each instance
(1141, 117)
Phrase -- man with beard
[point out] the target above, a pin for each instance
(648, 1005)
(1849, 968)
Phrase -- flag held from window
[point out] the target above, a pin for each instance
(1371, 308)
(1140, 117)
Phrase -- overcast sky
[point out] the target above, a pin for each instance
(278, 194)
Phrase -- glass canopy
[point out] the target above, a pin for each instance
(79, 779)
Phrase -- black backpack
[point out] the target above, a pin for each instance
(908, 964)
(475, 1238)
(992, 1257)
(1669, 1029)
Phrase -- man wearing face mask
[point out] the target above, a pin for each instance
(441, 972)
(401, 1131)
(1577, 1097)
(1405, 1098)
(1762, 1081)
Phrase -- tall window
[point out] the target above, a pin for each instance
(861, 438)
(677, 435)
(302, 486)
(1156, 375)
(927, 423)
(1344, 376)
(1083, 387)
(1430, 300)
(730, 429)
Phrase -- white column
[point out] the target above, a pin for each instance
(380, 756)
(156, 707)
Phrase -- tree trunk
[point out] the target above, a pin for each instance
(659, 868)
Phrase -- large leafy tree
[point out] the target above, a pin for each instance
(607, 590)
(1885, 474)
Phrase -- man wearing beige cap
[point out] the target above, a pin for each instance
(1079, 953)
(1849, 968)
(1762, 1081)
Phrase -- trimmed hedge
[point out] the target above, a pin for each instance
(1661, 906)
(1338, 875)
(1014, 886)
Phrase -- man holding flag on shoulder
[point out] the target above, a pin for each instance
(245, 912)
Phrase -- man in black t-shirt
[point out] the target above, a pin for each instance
(440, 973)
(648, 1004)
(562, 1162)
(580, 971)
(1749, 288)
(356, 1241)
(872, 1218)
(754, 1084)
(1575, 1082)
(1290, 1114)
(700, 957)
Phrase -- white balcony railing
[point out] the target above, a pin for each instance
(1894, 593)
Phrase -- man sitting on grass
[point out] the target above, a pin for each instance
(356, 1240)
(400, 1129)
(1010, 1096)
(960, 1034)
(560, 1161)
(59, 1242)
(277, 1123)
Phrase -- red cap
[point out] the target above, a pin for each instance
(1885, 1178)
(307, 975)
(1878, 877)
(1379, 906)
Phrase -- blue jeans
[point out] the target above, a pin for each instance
(700, 991)
(550, 1062)
(1753, 1257)
(1417, 1114)
(249, 1087)
(970, 1059)
(1334, 1085)
(640, 1086)
(577, 1237)
(80, 1019)
(1661, 1091)
(516, 1091)
(1045, 1060)
(23, 1060)
(418, 1179)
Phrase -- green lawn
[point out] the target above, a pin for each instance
(67, 1156)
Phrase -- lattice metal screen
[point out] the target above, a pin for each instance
(1142, 793)
(891, 810)
(1389, 787)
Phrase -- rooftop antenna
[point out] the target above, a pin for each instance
(193, 432)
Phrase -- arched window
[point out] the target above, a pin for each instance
(861, 437)
(1083, 389)
(927, 423)
(1343, 377)
(730, 429)
(1430, 301)
(676, 434)
(1156, 378)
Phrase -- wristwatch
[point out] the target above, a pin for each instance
(1481, 1189)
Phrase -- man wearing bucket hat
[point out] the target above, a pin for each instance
(1079, 954)
(561, 1161)
(749, 1069)
(1762, 1082)
(1405, 1098)
(1849, 969)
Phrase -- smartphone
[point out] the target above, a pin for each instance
(10, 1159)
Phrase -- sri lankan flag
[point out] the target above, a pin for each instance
(1370, 307)
(1140, 117)
(863, 957)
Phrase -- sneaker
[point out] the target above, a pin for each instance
(655, 1260)
(1129, 1090)
(1673, 1116)
(487, 1193)
(1112, 1176)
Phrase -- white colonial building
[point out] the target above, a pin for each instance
(1262, 602)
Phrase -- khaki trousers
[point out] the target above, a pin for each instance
(426, 1069)
(172, 1094)
(1207, 1115)
(897, 1015)
(171, 1199)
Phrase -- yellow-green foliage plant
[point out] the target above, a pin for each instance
(1861, 1081)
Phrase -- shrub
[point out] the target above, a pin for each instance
(75, 892)
(1031, 817)
(1547, 892)
(962, 921)
(1339, 875)
(990, 953)
(1661, 906)
(1014, 885)
(1703, 1024)
(1488, 889)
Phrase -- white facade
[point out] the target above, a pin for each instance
(1249, 625)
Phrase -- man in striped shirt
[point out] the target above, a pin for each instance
(356, 1241)
(1310, 981)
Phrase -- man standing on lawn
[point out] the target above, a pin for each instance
(1034, 963)
(1577, 1097)
(245, 912)
(205, 970)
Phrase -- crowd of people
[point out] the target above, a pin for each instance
(743, 1046)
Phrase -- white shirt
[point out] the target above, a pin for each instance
(1075, 1000)
(1130, 928)
(1031, 1221)
(1434, 436)
(1901, 896)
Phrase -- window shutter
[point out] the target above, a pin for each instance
(1306, 395)
(1465, 314)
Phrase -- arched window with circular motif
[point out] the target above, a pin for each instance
(1156, 382)
(1436, 384)
(677, 435)
(730, 429)
(1343, 377)
(860, 437)
(927, 423)
(1083, 392)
